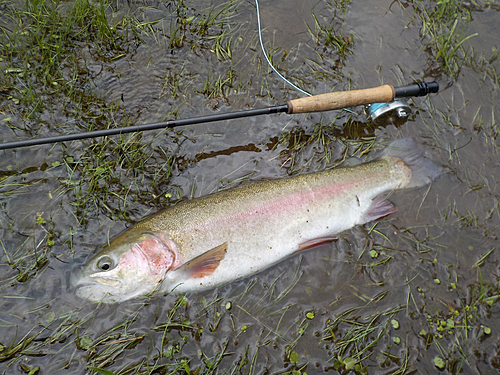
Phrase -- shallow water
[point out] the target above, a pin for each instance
(433, 261)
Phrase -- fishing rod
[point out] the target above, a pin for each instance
(316, 103)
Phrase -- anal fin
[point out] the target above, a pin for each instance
(316, 242)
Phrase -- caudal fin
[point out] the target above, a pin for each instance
(423, 170)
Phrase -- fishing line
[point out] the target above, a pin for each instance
(265, 54)
(259, 29)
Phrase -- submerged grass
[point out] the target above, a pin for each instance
(452, 330)
(30, 258)
(354, 339)
(332, 38)
(52, 333)
(108, 176)
(333, 144)
(443, 25)
(42, 57)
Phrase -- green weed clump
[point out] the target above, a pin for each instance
(111, 175)
(331, 41)
(332, 37)
(443, 27)
(43, 53)
(451, 330)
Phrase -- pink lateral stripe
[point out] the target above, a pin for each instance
(285, 204)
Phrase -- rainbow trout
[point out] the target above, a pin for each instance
(215, 239)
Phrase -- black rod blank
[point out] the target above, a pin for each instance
(333, 101)
(141, 128)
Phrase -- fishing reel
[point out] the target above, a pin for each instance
(398, 110)
(395, 112)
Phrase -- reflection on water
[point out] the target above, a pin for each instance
(412, 292)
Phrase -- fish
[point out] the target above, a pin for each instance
(210, 241)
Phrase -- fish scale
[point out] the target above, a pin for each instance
(278, 219)
(213, 240)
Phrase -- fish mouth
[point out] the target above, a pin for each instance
(92, 289)
(107, 281)
(88, 292)
(78, 279)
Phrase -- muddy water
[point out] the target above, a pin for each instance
(433, 261)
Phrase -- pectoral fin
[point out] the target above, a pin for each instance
(204, 264)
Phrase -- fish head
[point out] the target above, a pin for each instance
(130, 266)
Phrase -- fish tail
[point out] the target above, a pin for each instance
(423, 170)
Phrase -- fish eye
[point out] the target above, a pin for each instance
(105, 263)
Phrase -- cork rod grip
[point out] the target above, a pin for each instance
(341, 99)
